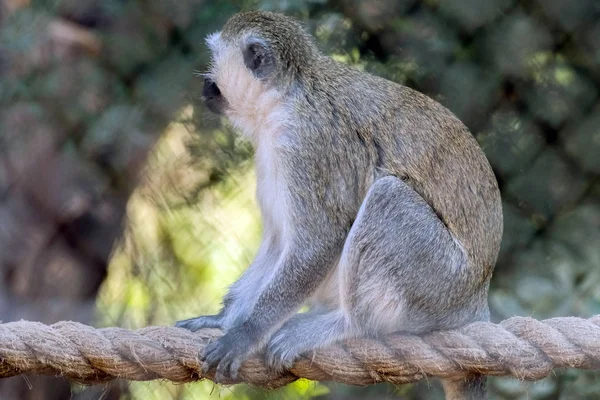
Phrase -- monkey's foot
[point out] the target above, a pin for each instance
(302, 334)
(282, 351)
(228, 353)
(204, 321)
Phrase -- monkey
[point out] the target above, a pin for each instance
(380, 211)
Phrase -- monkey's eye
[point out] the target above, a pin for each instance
(253, 56)
(258, 58)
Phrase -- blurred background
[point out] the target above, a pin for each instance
(123, 202)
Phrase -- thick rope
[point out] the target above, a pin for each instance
(521, 347)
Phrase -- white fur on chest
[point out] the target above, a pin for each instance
(271, 188)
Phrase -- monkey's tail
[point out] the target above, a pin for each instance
(471, 388)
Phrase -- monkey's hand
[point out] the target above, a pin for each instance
(229, 352)
(204, 321)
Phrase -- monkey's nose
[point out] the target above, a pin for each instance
(212, 96)
(210, 91)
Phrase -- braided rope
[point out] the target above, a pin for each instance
(521, 347)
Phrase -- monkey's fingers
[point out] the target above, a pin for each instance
(278, 358)
(212, 355)
(274, 362)
(234, 369)
(228, 367)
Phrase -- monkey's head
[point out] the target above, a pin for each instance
(256, 59)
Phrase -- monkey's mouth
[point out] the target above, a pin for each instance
(212, 96)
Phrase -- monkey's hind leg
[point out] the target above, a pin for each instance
(400, 270)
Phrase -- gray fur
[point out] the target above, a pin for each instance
(395, 214)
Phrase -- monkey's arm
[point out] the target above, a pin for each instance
(242, 295)
(238, 302)
(303, 265)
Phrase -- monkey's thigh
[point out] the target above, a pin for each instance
(400, 268)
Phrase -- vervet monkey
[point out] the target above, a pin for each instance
(379, 208)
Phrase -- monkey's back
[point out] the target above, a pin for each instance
(416, 138)
(443, 162)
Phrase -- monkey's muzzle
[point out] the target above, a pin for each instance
(212, 96)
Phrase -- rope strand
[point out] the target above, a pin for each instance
(520, 347)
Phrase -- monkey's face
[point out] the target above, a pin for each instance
(239, 82)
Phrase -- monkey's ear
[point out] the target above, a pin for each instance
(258, 57)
